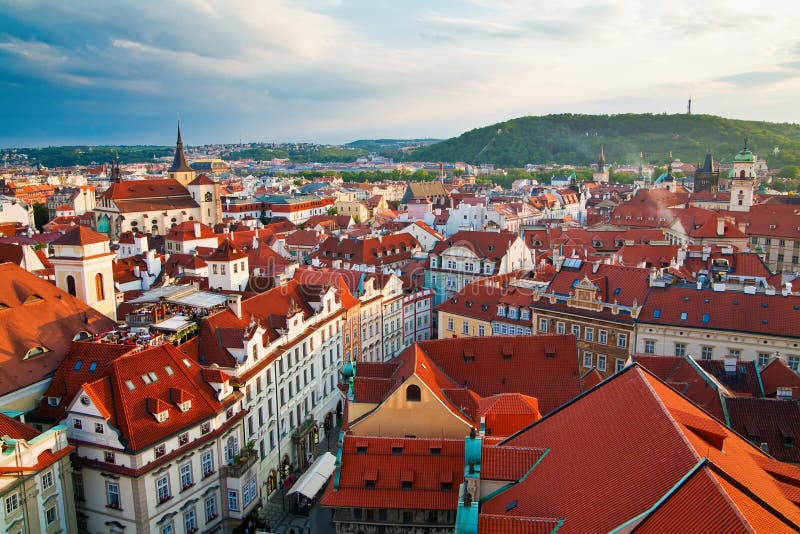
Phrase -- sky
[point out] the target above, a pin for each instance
(332, 71)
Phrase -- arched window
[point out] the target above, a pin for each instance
(98, 286)
(208, 197)
(741, 174)
(71, 285)
(413, 393)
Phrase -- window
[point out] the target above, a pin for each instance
(211, 508)
(588, 359)
(233, 500)
(542, 325)
(214, 268)
(51, 515)
(231, 448)
(413, 393)
(649, 346)
(98, 428)
(481, 330)
(71, 286)
(601, 362)
(763, 359)
(706, 353)
(622, 341)
(588, 334)
(205, 428)
(524, 315)
(734, 353)
(110, 457)
(112, 495)
(47, 481)
(680, 349)
(183, 439)
(207, 463)
(249, 491)
(12, 503)
(189, 520)
(222, 268)
(160, 450)
(464, 327)
(77, 485)
(619, 365)
(450, 324)
(98, 285)
(512, 313)
(186, 476)
(560, 327)
(576, 331)
(162, 488)
(794, 362)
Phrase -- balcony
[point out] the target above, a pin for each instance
(240, 465)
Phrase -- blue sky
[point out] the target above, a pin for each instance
(334, 70)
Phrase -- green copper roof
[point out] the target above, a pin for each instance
(745, 155)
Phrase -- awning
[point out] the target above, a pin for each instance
(313, 479)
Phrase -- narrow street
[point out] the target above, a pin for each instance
(278, 516)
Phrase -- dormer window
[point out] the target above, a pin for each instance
(36, 351)
(501, 311)
(162, 416)
(53, 401)
(512, 313)
(186, 405)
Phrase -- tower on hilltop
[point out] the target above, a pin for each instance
(180, 170)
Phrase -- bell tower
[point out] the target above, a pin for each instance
(742, 180)
(82, 261)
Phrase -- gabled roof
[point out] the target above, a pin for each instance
(185, 231)
(85, 362)
(35, 313)
(544, 366)
(652, 439)
(81, 236)
(386, 471)
(146, 190)
(130, 411)
(714, 310)
(227, 251)
(490, 245)
(771, 421)
(202, 179)
(777, 374)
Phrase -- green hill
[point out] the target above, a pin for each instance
(577, 139)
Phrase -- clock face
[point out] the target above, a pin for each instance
(85, 400)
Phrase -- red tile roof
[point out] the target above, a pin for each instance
(490, 245)
(80, 236)
(386, 250)
(544, 366)
(227, 251)
(776, 315)
(15, 429)
(34, 312)
(776, 374)
(771, 421)
(650, 438)
(185, 231)
(129, 410)
(416, 464)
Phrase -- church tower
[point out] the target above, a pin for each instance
(180, 170)
(742, 180)
(601, 176)
(205, 192)
(706, 177)
(82, 261)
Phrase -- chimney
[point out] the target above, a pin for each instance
(197, 230)
(255, 240)
(720, 226)
(235, 304)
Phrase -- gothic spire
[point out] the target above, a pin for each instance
(179, 163)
